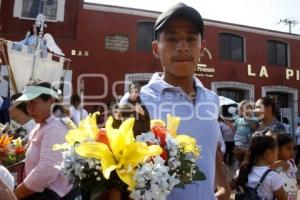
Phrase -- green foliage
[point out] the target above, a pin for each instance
(188, 171)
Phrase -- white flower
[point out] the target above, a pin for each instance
(153, 181)
(147, 137)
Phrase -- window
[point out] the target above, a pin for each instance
(234, 94)
(145, 36)
(231, 47)
(277, 53)
(29, 9)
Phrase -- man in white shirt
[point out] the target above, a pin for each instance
(77, 112)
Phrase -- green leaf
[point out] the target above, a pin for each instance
(199, 176)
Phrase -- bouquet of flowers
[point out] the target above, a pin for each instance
(11, 151)
(149, 166)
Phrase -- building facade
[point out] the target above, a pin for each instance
(109, 45)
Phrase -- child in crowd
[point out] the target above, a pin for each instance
(228, 132)
(244, 125)
(286, 166)
(262, 153)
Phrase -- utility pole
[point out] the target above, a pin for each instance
(289, 22)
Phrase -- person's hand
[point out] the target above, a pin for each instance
(138, 108)
(6, 193)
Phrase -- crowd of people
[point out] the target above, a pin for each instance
(255, 141)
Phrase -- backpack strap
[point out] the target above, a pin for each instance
(292, 162)
(262, 179)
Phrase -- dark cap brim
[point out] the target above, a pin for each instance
(179, 10)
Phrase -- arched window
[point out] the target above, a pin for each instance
(231, 47)
(277, 53)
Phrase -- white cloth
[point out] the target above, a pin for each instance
(77, 114)
(7, 178)
(272, 182)
(21, 62)
(290, 179)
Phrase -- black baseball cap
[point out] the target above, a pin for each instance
(179, 10)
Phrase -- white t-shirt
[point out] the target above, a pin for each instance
(290, 180)
(77, 114)
(272, 182)
(7, 178)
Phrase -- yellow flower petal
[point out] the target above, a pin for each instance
(60, 146)
(126, 177)
(140, 152)
(87, 129)
(120, 138)
(188, 144)
(155, 122)
(89, 124)
(172, 124)
(5, 140)
(96, 150)
(76, 135)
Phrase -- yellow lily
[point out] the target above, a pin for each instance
(86, 130)
(124, 154)
(189, 144)
(173, 124)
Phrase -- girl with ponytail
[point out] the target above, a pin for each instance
(261, 154)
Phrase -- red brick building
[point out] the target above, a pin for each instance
(241, 62)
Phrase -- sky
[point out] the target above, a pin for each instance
(257, 13)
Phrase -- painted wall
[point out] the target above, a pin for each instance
(86, 30)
